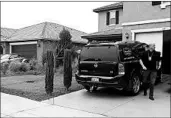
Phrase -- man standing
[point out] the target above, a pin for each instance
(148, 61)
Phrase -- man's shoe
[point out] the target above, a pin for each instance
(151, 98)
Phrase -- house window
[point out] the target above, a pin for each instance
(156, 3)
(112, 17)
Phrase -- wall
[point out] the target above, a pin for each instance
(40, 51)
(127, 29)
(6, 49)
(102, 21)
(139, 11)
(49, 45)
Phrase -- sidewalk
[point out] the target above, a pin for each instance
(14, 106)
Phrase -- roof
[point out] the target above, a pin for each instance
(45, 31)
(118, 5)
(6, 33)
(107, 33)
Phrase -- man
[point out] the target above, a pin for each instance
(148, 62)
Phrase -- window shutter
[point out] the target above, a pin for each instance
(107, 18)
(156, 3)
(117, 17)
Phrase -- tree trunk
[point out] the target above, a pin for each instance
(49, 72)
(67, 69)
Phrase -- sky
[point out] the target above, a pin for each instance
(77, 15)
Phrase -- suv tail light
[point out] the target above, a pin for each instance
(121, 69)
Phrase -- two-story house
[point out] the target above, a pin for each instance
(147, 22)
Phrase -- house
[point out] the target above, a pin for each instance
(147, 21)
(33, 41)
(5, 33)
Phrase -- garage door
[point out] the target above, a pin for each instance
(152, 37)
(28, 50)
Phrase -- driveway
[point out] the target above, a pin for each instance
(112, 103)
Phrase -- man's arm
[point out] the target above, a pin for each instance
(158, 60)
(142, 64)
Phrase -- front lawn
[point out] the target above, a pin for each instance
(33, 86)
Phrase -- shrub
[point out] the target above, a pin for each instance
(24, 67)
(40, 68)
(15, 66)
(4, 67)
(33, 62)
(67, 69)
(49, 73)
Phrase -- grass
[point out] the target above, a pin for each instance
(33, 86)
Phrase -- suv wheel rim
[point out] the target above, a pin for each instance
(136, 84)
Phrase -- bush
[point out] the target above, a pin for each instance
(24, 67)
(15, 66)
(4, 67)
(33, 62)
(40, 68)
(67, 69)
(37, 67)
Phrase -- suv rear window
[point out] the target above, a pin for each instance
(99, 53)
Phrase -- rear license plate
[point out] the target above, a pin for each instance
(95, 79)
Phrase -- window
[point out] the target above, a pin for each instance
(112, 17)
(156, 3)
(99, 53)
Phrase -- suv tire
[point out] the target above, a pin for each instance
(89, 89)
(136, 84)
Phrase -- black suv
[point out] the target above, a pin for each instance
(111, 65)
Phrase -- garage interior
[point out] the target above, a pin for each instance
(28, 50)
(162, 39)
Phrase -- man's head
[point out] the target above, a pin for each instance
(146, 47)
(152, 47)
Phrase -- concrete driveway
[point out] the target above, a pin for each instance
(111, 103)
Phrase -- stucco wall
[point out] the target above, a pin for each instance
(102, 21)
(6, 49)
(49, 45)
(139, 11)
(40, 51)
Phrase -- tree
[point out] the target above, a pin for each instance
(64, 42)
(49, 72)
(67, 69)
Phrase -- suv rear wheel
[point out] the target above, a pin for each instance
(135, 84)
